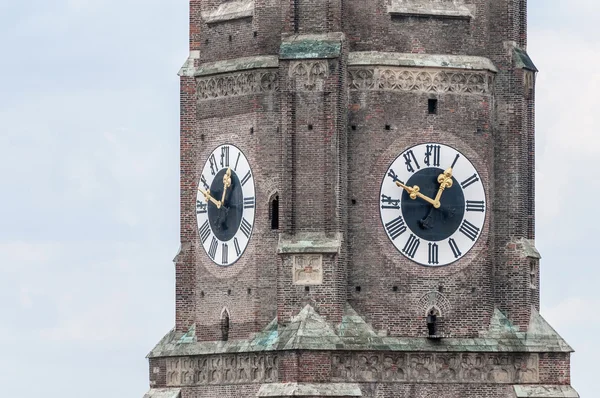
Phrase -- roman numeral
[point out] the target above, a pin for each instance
(411, 246)
(471, 180)
(246, 228)
(203, 180)
(455, 160)
(246, 178)
(432, 150)
(249, 203)
(225, 156)
(409, 158)
(236, 244)
(469, 230)
(204, 231)
(201, 207)
(475, 205)
(389, 203)
(237, 161)
(392, 174)
(454, 248)
(213, 248)
(213, 164)
(396, 227)
(433, 253)
(224, 253)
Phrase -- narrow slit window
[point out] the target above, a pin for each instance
(225, 326)
(275, 212)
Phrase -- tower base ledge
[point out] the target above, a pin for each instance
(545, 391)
(310, 390)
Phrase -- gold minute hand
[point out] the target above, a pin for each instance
(414, 193)
(445, 180)
(208, 197)
(226, 184)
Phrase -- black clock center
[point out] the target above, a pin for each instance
(225, 221)
(422, 218)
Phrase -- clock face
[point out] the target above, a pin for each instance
(427, 224)
(225, 205)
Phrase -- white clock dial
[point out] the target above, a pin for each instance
(427, 224)
(225, 205)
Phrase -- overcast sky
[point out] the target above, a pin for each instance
(89, 174)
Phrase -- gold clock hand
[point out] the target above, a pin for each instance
(414, 193)
(226, 184)
(445, 180)
(208, 197)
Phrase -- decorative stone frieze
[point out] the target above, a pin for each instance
(420, 80)
(217, 369)
(308, 75)
(236, 84)
(436, 367)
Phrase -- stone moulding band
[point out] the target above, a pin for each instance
(367, 71)
(420, 80)
(229, 11)
(236, 84)
(421, 60)
(310, 390)
(361, 366)
(428, 8)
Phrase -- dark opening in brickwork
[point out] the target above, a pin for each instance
(395, 288)
(274, 212)
(307, 288)
(388, 127)
(310, 126)
(358, 289)
(225, 326)
(432, 106)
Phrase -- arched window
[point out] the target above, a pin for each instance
(274, 211)
(225, 325)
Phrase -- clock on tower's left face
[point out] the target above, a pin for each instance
(225, 205)
(432, 204)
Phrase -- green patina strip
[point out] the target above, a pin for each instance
(310, 48)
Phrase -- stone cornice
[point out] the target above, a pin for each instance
(363, 58)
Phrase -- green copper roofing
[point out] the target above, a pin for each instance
(310, 331)
(522, 60)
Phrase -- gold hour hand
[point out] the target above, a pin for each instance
(445, 181)
(226, 184)
(415, 193)
(208, 197)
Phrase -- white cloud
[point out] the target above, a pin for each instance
(567, 139)
(572, 311)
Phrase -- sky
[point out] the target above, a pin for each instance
(89, 152)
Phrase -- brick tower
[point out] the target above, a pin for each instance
(357, 205)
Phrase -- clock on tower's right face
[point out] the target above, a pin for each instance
(432, 204)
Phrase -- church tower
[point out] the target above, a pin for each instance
(357, 205)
